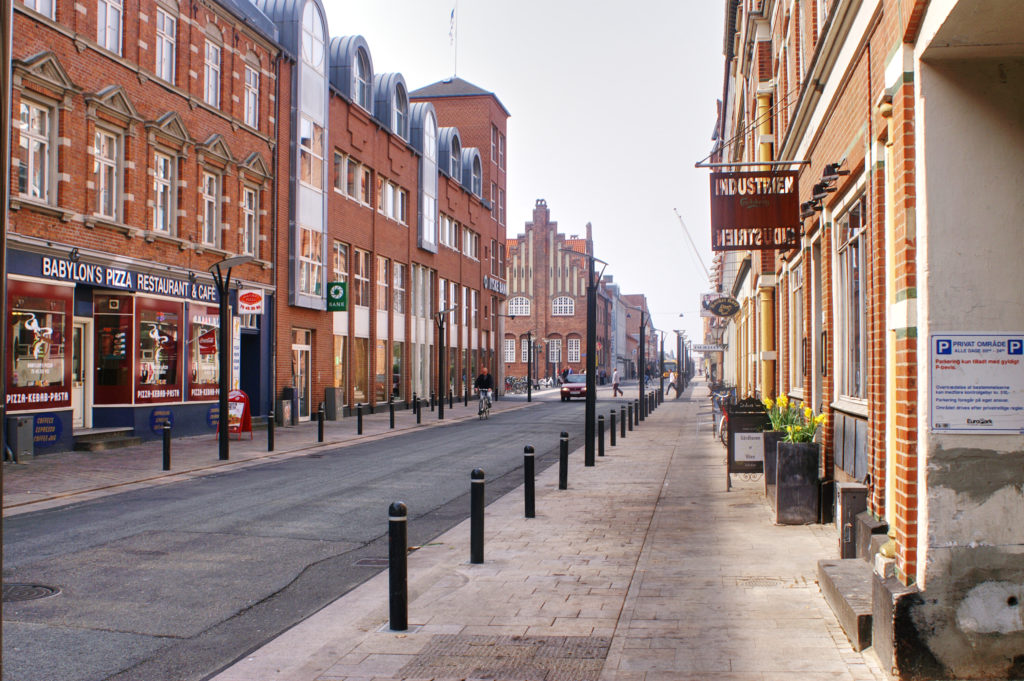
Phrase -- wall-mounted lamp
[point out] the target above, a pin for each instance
(808, 209)
(820, 191)
(74, 255)
(191, 277)
(832, 172)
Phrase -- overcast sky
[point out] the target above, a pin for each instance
(611, 105)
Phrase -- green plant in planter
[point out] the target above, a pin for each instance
(796, 420)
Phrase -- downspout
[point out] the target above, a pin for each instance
(766, 293)
(273, 232)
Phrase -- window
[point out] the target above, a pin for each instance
(501, 151)
(311, 261)
(252, 97)
(509, 348)
(850, 228)
(398, 287)
(106, 154)
(494, 201)
(474, 297)
(211, 75)
(311, 153)
(501, 206)
(427, 197)
(250, 220)
(391, 200)
(449, 232)
(563, 306)
(455, 160)
(312, 37)
(34, 152)
(519, 306)
(382, 283)
(166, 32)
(365, 187)
(210, 208)
(340, 266)
(163, 193)
(470, 243)
(44, 7)
(525, 350)
(555, 350)
(361, 91)
(572, 347)
(360, 294)
(478, 177)
(400, 115)
(797, 338)
(108, 24)
(494, 144)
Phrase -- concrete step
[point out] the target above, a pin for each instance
(846, 584)
(95, 443)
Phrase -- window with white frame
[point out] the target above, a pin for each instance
(563, 306)
(44, 7)
(211, 74)
(400, 112)
(360, 294)
(382, 283)
(851, 254)
(501, 151)
(361, 74)
(392, 200)
(572, 348)
(519, 306)
(494, 144)
(252, 97)
(525, 350)
(311, 261)
(311, 153)
(163, 193)
(313, 37)
(340, 264)
(398, 285)
(509, 348)
(798, 342)
(365, 186)
(478, 177)
(455, 160)
(470, 243)
(351, 178)
(109, 15)
(555, 350)
(34, 149)
(449, 232)
(501, 205)
(209, 205)
(166, 41)
(250, 220)
(106, 173)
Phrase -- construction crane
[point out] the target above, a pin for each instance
(693, 245)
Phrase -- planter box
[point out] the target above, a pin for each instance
(771, 439)
(797, 483)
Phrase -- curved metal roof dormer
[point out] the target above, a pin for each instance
(473, 172)
(418, 113)
(449, 153)
(391, 103)
(351, 69)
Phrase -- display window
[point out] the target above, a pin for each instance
(114, 316)
(39, 372)
(158, 370)
(203, 363)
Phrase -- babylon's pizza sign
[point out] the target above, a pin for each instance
(752, 211)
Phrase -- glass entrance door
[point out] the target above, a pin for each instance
(301, 374)
(80, 363)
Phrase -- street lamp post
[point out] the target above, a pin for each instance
(643, 363)
(680, 363)
(661, 365)
(439, 318)
(221, 272)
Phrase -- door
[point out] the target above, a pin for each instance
(81, 363)
(301, 361)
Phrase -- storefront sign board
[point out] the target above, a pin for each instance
(755, 210)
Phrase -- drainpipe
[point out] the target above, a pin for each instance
(766, 295)
(273, 233)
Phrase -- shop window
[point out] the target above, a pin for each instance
(382, 377)
(204, 367)
(35, 149)
(361, 370)
(339, 363)
(850, 237)
(114, 322)
(397, 354)
(158, 332)
(39, 373)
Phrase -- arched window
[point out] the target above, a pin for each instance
(455, 159)
(312, 38)
(478, 177)
(400, 113)
(519, 306)
(563, 306)
(363, 80)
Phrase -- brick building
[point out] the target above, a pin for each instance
(142, 154)
(547, 305)
(903, 296)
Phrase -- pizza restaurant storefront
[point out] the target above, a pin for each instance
(101, 345)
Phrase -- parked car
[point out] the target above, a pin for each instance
(575, 385)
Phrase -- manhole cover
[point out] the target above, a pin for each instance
(27, 592)
(372, 562)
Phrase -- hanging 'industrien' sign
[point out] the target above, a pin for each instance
(755, 211)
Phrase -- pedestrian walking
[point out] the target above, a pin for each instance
(615, 384)
(672, 378)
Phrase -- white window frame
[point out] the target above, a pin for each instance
(211, 73)
(400, 113)
(36, 147)
(109, 21)
(555, 350)
(166, 44)
(360, 294)
(525, 350)
(164, 193)
(470, 243)
(339, 262)
(311, 261)
(509, 350)
(313, 38)
(398, 287)
(44, 7)
(455, 160)
(478, 177)
(519, 306)
(572, 349)
(107, 174)
(563, 306)
(851, 300)
(250, 220)
(383, 277)
(501, 151)
(797, 287)
(361, 80)
(501, 206)
(209, 208)
(252, 97)
(311, 152)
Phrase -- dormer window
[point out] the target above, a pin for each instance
(362, 87)
(312, 38)
(400, 112)
(478, 176)
(455, 159)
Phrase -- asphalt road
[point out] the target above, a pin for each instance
(177, 581)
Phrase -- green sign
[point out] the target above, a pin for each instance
(337, 296)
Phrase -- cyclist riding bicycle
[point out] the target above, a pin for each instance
(484, 384)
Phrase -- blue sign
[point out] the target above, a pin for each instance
(213, 416)
(47, 429)
(158, 417)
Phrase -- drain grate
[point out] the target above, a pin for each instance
(522, 658)
(372, 562)
(779, 582)
(27, 592)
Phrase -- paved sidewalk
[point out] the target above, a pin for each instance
(645, 569)
(51, 480)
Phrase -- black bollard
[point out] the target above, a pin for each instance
(451, 396)
(415, 404)
(637, 418)
(359, 419)
(419, 412)
(563, 461)
(476, 523)
(433, 398)
(320, 423)
(629, 416)
(270, 430)
(466, 403)
(622, 421)
(528, 480)
(398, 549)
(611, 428)
(167, 446)
(641, 409)
(600, 435)
(391, 412)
